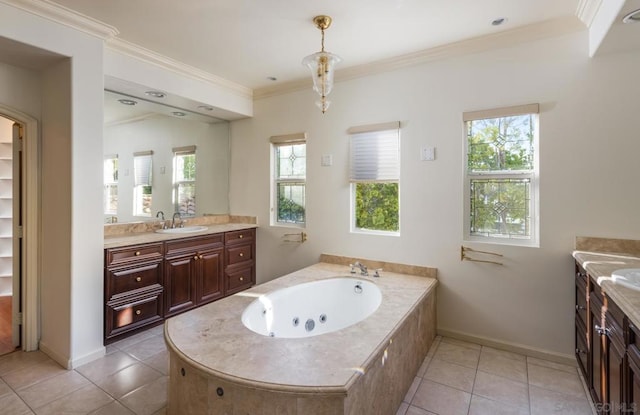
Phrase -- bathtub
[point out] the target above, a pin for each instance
(363, 364)
(313, 308)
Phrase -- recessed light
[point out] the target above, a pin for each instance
(272, 78)
(156, 94)
(633, 17)
(178, 113)
(205, 107)
(498, 21)
(127, 101)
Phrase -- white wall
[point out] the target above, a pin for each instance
(161, 134)
(72, 231)
(588, 151)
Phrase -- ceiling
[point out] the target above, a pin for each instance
(248, 41)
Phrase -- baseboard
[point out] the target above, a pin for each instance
(564, 359)
(72, 363)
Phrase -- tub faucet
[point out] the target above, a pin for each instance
(363, 268)
(173, 220)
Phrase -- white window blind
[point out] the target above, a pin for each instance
(375, 156)
(142, 163)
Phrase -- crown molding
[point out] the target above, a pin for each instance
(65, 16)
(507, 38)
(587, 10)
(138, 52)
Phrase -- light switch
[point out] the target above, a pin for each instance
(327, 160)
(427, 153)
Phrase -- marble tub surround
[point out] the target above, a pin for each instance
(385, 266)
(600, 266)
(368, 365)
(141, 237)
(151, 225)
(608, 245)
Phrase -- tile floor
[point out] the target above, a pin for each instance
(130, 379)
(455, 378)
(460, 378)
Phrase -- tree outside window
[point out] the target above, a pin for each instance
(110, 195)
(184, 180)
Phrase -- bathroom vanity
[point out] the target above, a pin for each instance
(150, 276)
(607, 325)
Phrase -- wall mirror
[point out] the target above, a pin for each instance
(159, 158)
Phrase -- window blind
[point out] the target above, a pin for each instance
(142, 163)
(297, 138)
(375, 156)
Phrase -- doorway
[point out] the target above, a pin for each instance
(9, 273)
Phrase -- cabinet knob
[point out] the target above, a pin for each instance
(195, 257)
(138, 312)
(200, 256)
(240, 236)
(137, 253)
(601, 330)
(241, 278)
(138, 279)
(241, 254)
(580, 307)
(579, 351)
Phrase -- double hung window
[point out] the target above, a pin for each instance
(501, 175)
(184, 180)
(110, 182)
(289, 179)
(142, 186)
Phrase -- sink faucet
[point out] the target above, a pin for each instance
(363, 268)
(173, 220)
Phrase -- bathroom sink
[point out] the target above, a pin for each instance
(186, 229)
(629, 277)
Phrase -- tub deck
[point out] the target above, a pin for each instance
(213, 343)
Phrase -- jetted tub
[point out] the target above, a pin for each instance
(219, 366)
(312, 308)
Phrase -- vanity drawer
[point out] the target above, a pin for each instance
(136, 253)
(189, 245)
(123, 316)
(239, 237)
(239, 279)
(239, 254)
(122, 280)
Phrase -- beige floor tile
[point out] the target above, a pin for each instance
(423, 366)
(82, 401)
(160, 362)
(490, 351)
(32, 374)
(402, 409)
(157, 330)
(441, 399)
(503, 364)
(501, 389)
(547, 402)
(552, 365)
(412, 389)
(556, 380)
(462, 343)
(20, 360)
(105, 366)
(162, 411)
(146, 348)
(4, 388)
(451, 374)
(484, 406)
(128, 379)
(455, 353)
(53, 388)
(414, 410)
(434, 346)
(11, 404)
(148, 399)
(129, 341)
(113, 408)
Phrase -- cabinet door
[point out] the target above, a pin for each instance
(633, 379)
(180, 287)
(614, 381)
(209, 276)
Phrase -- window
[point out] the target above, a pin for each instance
(501, 184)
(184, 180)
(289, 184)
(375, 178)
(142, 188)
(110, 195)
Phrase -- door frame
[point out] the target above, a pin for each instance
(31, 226)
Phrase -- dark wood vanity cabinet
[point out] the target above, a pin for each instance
(193, 273)
(146, 283)
(133, 289)
(603, 349)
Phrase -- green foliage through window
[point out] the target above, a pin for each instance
(290, 174)
(376, 206)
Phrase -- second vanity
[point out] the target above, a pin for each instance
(150, 276)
